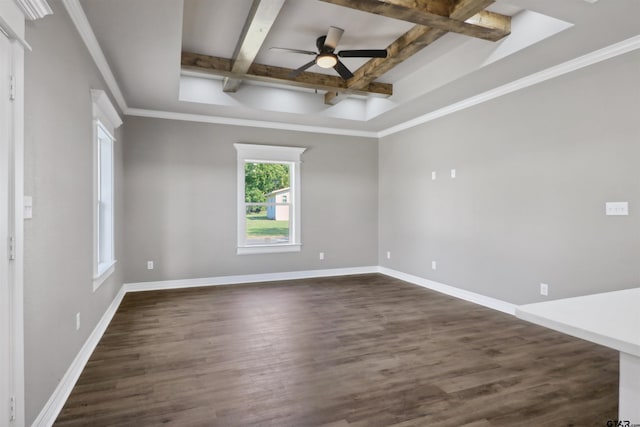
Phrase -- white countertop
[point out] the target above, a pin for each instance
(611, 319)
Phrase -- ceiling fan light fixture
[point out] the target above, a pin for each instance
(326, 60)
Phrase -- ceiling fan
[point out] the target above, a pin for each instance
(326, 57)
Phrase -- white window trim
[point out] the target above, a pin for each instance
(106, 117)
(106, 269)
(277, 154)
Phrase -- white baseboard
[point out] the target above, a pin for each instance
(496, 304)
(246, 278)
(483, 300)
(52, 408)
(54, 405)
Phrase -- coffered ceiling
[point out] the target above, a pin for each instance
(212, 60)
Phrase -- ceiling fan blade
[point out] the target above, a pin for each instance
(343, 71)
(286, 49)
(296, 72)
(363, 53)
(333, 38)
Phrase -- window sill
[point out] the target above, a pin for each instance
(268, 249)
(104, 271)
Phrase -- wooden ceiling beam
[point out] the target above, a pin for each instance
(268, 73)
(497, 23)
(262, 15)
(436, 14)
(414, 40)
(465, 9)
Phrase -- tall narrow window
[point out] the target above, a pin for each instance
(106, 120)
(105, 198)
(268, 198)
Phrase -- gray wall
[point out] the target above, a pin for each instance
(180, 201)
(534, 170)
(59, 74)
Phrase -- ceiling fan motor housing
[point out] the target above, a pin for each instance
(321, 47)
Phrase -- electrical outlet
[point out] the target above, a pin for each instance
(321, 256)
(388, 254)
(77, 321)
(149, 265)
(433, 175)
(453, 173)
(544, 289)
(434, 265)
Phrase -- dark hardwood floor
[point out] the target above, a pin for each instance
(351, 351)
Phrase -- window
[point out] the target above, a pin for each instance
(105, 121)
(268, 198)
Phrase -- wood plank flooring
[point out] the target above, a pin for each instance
(352, 351)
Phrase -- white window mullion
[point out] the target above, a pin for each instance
(295, 200)
(242, 207)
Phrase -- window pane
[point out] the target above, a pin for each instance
(103, 235)
(105, 198)
(267, 224)
(267, 194)
(106, 169)
(99, 235)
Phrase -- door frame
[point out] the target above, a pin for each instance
(6, 329)
(12, 24)
(11, 156)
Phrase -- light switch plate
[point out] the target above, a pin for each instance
(617, 208)
(28, 207)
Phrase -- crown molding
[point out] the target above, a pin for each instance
(594, 57)
(34, 9)
(74, 8)
(79, 18)
(201, 118)
(104, 109)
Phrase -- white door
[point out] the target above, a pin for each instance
(6, 380)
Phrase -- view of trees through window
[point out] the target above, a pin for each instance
(267, 207)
